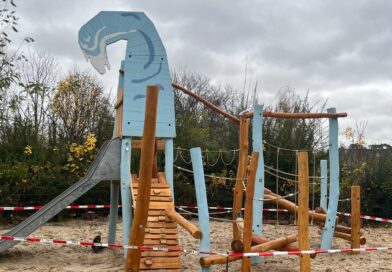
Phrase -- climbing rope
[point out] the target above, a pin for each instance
(208, 176)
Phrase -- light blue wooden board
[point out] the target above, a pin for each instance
(257, 142)
(324, 184)
(328, 231)
(202, 204)
(145, 64)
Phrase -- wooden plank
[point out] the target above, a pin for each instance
(156, 192)
(156, 185)
(160, 254)
(158, 198)
(132, 262)
(161, 225)
(303, 209)
(162, 178)
(355, 217)
(169, 230)
(161, 242)
(160, 263)
(159, 219)
(161, 205)
(248, 214)
(241, 174)
(137, 144)
(162, 236)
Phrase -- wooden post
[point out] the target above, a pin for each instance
(303, 209)
(248, 214)
(355, 217)
(241, 174)
(136, 238)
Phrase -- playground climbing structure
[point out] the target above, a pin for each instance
(145, 120)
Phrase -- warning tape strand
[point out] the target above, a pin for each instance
(219, 208)
(180, 250)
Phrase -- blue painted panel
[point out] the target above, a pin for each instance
(324, 184)
(126, 196)
(201, 197)
(257, 142)
(328, 231)
(145, 64)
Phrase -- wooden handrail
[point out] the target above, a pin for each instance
(188, 226)
(299, 115)
(207, 103)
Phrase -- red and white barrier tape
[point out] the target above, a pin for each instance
(19, 208)
(88, 244)
(307, 252)
(176, 249)
(368, 217)
(218, 208)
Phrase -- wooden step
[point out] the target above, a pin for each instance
(160, 263)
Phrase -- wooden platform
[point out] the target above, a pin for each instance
(161, 231)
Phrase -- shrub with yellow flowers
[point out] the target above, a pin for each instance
(28, 150)
(80, 156)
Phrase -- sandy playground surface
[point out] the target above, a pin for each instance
(39, 257)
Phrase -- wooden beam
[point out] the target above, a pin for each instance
(248, 214)
(139, 225)
(303, 209)
(299, 115)
(270, 245)
(287, 247)
(207, 103)
(188, 226)
(355, 217)
(241, 174)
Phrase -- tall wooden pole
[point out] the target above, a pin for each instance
(146, 166)
(355, 217)
(303, 210)
(250, 191)
(241, 174)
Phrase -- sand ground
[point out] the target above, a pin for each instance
(39, 257)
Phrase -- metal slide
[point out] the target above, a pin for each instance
(106, 166)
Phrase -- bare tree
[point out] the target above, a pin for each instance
(39, 76)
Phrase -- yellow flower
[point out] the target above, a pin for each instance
(28, 150)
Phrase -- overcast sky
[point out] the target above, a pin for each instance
(339, 50)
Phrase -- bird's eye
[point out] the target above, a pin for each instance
(87, 39)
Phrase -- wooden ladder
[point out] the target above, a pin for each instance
(161, 231)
